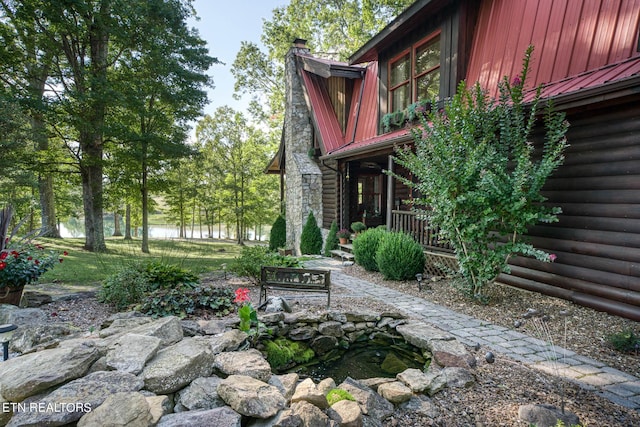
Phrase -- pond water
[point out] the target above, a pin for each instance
(366, 360)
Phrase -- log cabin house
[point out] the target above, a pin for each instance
(587, 58)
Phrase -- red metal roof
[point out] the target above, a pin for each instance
(571, 37)
(380, 141)
(322, 112)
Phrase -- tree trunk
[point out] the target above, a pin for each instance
(127, 222)
(145, 201)
(91, 172)
(117, 232)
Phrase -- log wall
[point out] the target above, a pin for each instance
(597, 238)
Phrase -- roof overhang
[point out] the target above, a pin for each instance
(326, 69)
(379, 143)
(396, 29)
(276, 165)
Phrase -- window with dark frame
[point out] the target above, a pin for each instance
(414, 74)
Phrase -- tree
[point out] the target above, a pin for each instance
(311, 237)
(278, 236)
(335, 28)
(481, 176)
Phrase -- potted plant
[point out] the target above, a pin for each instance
(358, 227)
(20, 263)
(343, 235)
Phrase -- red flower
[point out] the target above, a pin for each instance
(60, 259)
(65, 253)
(242, 295)
(15, 254)
(2, 265)
(37, 262)
(3, 255)
(552, 257)
(29, 258)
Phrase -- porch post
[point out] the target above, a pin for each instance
(390, 195)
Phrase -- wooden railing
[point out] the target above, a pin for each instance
(419, 229)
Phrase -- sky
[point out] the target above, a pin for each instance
(224, 24)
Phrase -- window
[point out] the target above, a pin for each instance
(414, 75)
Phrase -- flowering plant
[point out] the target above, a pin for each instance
(343, 233)
(246, 312)
(23, 262)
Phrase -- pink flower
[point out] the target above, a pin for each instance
(552, 257)
(516, 81)
(242, 295)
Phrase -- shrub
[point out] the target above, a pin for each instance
(252, 258)
(124, 288)
(184, 300)
(278, 235)
(311, 237)
(132, 283)
(338, 394)
(332, 239)
(366, 246)
(626, 340)
(399, 257)
(358, 227)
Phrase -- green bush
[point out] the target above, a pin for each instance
(366, 246)
(311, 237)
(332, 240)
(185, 300)
(133, 283)
(124, 288)
(626, 340)
(399, 257)
(278, 235)
(358, 227)
(252, 258)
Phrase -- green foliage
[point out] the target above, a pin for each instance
(481, 176)
(358, 227)
(311, 237)
(366, 246)
(135, 281)
(252, 258)
(185, 300)
(278, 236)
(338, 394)
(332, 239)
(626, 340)
(399, 257)
(282, 352)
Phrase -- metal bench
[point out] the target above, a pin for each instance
(294, 279)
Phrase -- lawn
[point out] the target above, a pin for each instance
(82, 267)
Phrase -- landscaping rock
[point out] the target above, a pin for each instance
(421, 405)
(326, 385)
(168, 329)
(362, 316)
(371, 403)
(126, 409)
(286, 384)
(308, 391)
(73, 400)
(346, 413)
(451, 354)
(544, 415)
(415, 379)
(202, 393)
(421, 334)
(303, 333)
(29, 338)
(176, 366)
(323, 344)
(395, 392)
(159, 406)
(310, 415)
(284, 418)
(250, 363)
(33, 373)
(228, 341)
(35, 298)
(21, 316)
(217, 417)
(332, 328)
(121, 325)
(131, 352)
(251, 397)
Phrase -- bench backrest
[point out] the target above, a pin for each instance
(295, 277)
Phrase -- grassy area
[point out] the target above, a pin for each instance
(81, 267)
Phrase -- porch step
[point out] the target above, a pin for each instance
(343, 255)
(347, 247)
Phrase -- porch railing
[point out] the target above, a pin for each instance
(419, 229)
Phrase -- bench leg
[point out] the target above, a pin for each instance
(328, 298)
(263, 291)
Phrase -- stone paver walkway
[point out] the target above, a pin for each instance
(617, 386)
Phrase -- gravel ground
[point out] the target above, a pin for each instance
(501, 387)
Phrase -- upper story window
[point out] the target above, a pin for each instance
(414, 75)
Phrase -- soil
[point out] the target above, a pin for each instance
(501, 387)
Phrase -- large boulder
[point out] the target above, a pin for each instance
(176, 366)
(250, 363)
(420, 334)
(21, 316)
(346, 413)
(29, 338)
(126, 409)
(251, 397)
(544, 415)
(395, 392)
(202, 393)
(371, 403)
(310, 415)
(217, 417)
(73, 400)
(308, 391)
(33, 373)
(228, 341)
(131, 352)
